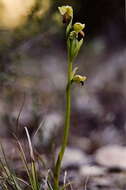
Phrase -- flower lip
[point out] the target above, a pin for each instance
(78, 27)
(66, 10)
(79, 79)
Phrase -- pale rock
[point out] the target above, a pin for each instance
(74, 157)
(112, 156)
(91, 171)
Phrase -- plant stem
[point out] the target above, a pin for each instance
(66, 128)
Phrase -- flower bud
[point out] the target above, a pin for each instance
(72, 35)
(78, 27)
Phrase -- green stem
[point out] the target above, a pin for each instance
(66, 128)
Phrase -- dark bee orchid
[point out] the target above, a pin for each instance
(66, 12)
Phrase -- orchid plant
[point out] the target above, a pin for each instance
(74, 39)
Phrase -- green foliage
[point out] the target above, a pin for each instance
(9, 178)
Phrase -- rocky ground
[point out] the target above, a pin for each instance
(96, 154)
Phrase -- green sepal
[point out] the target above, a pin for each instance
(69, 26)
(74, 46)
(74, 72)
(79, 45)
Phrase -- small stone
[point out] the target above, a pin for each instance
(112, 156)
(91, 171)
(74, 157)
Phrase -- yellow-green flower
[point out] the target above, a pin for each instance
(78, 27)
(66, 10)
(79, 79)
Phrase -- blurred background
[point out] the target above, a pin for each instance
(33, 73)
